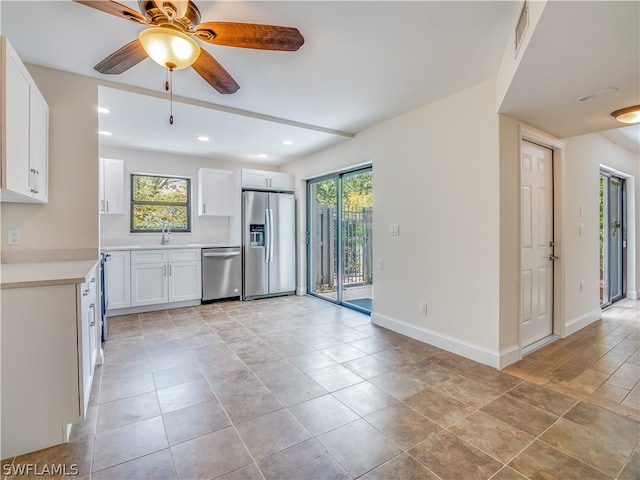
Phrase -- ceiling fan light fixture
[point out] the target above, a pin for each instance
(173, 9)
(169, 48)
(628, 114)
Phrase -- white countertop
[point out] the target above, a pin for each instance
(165, 246)
(21, 275)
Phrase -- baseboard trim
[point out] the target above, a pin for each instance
(579, 323)
(510, 355)
(152, 308)
(455, 345)
(633, 295)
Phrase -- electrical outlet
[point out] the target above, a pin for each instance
(13, 237)
(423, 308)
(395, 229)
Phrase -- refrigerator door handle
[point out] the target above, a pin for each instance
(271, 236)
(267, 236)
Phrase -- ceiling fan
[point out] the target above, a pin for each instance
(169, 42)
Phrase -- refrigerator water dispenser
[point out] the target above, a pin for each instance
(256, 235)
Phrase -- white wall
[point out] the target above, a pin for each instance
(68, 221)
(584, 155)
(115, 229)
(436, 174)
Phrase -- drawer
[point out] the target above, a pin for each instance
(148, 256)
(184, 255)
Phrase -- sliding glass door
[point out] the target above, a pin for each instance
(612, 238)
(339, 219)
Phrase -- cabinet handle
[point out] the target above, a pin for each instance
(32, 180)
(107, 205)
(92, 307)
(164, 270)
(170, 272)
(204, 208)
(37, 181)
(102, 205)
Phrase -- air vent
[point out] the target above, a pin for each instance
(521, 26)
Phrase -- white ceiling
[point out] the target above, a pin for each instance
(362, 62)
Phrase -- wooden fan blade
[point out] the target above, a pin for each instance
(114, 8)
(122, 59)
(214, 73)
(250, 35)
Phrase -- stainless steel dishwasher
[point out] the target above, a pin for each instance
(221, 273)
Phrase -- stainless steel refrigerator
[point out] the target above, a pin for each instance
(268, 244)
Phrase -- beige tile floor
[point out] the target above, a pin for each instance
(600, 363)
(297, 388)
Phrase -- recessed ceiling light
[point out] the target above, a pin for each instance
(262, 155)
(202, 138)
(287, 142)
(103, 110)
(105, 133)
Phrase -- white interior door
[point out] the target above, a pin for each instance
(536, 200)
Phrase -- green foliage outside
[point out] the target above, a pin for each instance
(159, 201)
(357, 192)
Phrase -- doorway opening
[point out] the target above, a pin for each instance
(339, 238)
(613, 241)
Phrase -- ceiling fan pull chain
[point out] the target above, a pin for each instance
(171, 97)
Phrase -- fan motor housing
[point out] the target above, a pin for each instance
(157, 16)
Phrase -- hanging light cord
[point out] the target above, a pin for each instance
(168, 85)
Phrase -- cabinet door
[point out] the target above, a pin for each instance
(283, 182)
(86, 339)
(254, 179)
(118, 276)
(149, 284)
(185, 281)
(16, 169)
(39, 145)
(216, 192)
(112, 184)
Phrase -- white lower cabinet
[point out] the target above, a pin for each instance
(118, 276)
(49, 350)
(88, 322)
(165, 276)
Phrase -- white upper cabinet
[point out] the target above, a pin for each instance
(264, 180)
(217, 192)
(25, 132)
(111, 186)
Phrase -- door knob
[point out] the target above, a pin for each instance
(552, 257)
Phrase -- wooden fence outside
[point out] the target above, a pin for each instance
(356, 234)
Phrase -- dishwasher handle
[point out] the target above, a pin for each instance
(220, 254)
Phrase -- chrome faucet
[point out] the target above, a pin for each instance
(166, 231)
